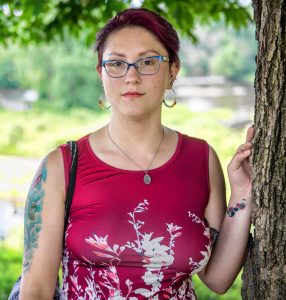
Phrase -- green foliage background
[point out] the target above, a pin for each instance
(221, 51)
(41, 20)
(63, 74)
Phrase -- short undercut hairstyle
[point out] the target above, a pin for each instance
(147, 19)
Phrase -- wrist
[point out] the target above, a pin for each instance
(239, 195)
(237, 204)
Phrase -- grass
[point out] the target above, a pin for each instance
(203, 293)
(23, 132)
(10, 261)
(34, 133)
(10, 269)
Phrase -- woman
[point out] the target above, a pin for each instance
(149, 201)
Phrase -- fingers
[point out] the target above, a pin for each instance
(250, 134)
(239, 158)
(243, 152)
(244, 147)
(248, 143)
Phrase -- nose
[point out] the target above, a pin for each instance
(132, 75)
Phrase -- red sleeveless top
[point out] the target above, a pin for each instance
(129, 240)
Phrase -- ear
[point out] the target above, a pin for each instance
(174, 70)
(98, 69)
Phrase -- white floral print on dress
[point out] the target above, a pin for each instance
(155, 254)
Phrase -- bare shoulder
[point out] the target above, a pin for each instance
(213, 158)
(53, 166)
(55, 161)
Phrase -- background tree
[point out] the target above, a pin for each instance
(214, 52)
(41, 20)
(265, 271)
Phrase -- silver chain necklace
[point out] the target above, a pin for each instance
(147, 177)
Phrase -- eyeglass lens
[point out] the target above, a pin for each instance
(146, 66)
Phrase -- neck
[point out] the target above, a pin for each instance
(140, 136)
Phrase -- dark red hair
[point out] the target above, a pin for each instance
(144, 18)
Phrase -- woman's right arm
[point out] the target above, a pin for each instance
(43, 230)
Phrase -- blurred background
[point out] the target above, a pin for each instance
(49, 94)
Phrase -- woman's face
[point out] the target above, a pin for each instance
(134, 94)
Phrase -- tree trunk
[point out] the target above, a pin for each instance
(264, 275)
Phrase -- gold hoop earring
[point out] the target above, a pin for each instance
(101, 105)
(174, 100)
(102, 99)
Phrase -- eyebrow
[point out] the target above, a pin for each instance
(139, 54)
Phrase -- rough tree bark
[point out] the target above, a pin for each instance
(264, 274)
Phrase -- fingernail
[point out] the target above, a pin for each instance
(252, 125)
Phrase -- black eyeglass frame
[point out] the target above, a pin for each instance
(162, 58)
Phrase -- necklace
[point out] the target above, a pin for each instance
(147, 177)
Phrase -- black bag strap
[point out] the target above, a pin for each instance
(72, 177)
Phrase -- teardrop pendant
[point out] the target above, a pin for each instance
(147, 178)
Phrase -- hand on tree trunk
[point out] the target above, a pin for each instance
(239, 170)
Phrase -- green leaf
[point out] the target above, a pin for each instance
(44, 21)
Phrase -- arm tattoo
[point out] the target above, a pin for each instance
(214, 235)
(32, 216)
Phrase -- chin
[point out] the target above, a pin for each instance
(136, 114)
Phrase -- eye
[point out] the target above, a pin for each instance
(117, 64)
(148, 61)
(114, 64)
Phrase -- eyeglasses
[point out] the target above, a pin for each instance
(145, 66)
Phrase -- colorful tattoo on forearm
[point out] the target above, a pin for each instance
(33, 215)
(232, 210)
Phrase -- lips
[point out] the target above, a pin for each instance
(132, 94)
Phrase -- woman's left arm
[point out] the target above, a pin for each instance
(229, 252)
